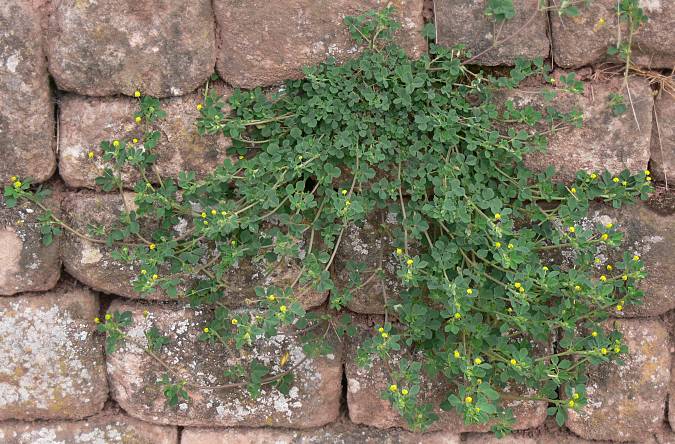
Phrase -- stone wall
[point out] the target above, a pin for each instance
(67, 69)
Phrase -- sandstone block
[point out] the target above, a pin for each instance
(604, 141)
(27, 112)
(371, 245)
(312, 401)
(106, 48)
(27, 264)
(663, 138)
(626, 403)
(466, 23)
(651, 236)
(341, 432)
(109, 427)
(92, 263)
(84, 122)
(366, 406)
(52, 361)
(584, 39)
(261, 43)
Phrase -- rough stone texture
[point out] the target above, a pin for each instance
(52, 362)
(366, 406)
(27, 264)
(342, 432)
(466, 23)
(109, 427)
(604, 141)
(27, 113)
(91, 263)
(584, 40)
(372, 245)
(313, 401)
(626, 403)
(663, 138)
(163, 48)
(291, 34)
(651, 236)
(85, 122)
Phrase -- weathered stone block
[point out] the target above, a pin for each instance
(372, 245)
(313, 401)
(366, 406)
(626, 403)
(584, 39)
(466, 23)
(109, 427)
(650, 235)
(84, 122)
(104, 48)
(663, 138)
(290, 34)
(342, 432)
(604, 141)
(52, 362)
(92, 263)
(27, 112)
(27, 264)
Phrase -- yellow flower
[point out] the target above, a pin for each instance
(624, 277)
(17, 184)
(409, 262)
(609, 267)
(13, 178)
(594, 334)
(404, 392)
(545, 268)
(241, 157)
(152, 246)
(271, 298)
(649, 179)
(283, 309)
(138, 119)
(233, 242)
(97, 321)
(572, 229)
(509, 309)
(575, 396)
(203, 215)
(513, 361)
(603, 278)
(636, 258)
(624, 183)
(609, 225)
(521, 289)
(381, 330)
(573, 190)
(604, 236)
(206, 222)
(348, 202)
(570, 403)
(393, 388)
(206, 329)
(223, 213)
(155, 277)
(456, 354)
(199, 107)
(385, 335)
(647, 172)
(498, 216)
(399, 251)
(458, 316)
(90, 154)
(144, 271)
(344, 192)
(469, 291)
(498, 244)
(615, 180)
(517, 285)
(134, 140)
(603, 350)
(137, 93)
(214, 212)
(234, 322)
(116, 143)
(477, 361)
(577, 288)
(468, 399)
(146, 313)
(108, 317)
(619, 307)
(594, 176)
(509, 246)
(617, 349)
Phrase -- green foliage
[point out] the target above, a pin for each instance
(477, 241)
(500, 10)
(113, 327)
(617, 104)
